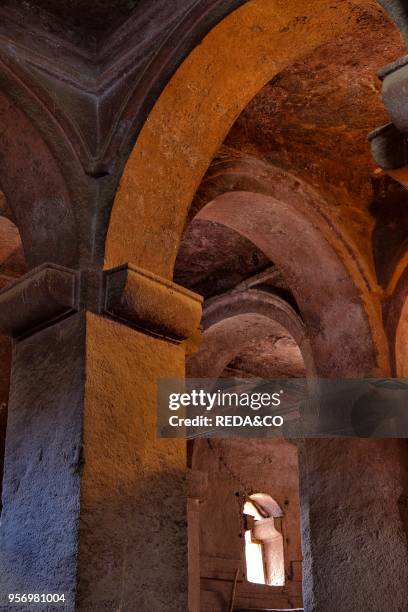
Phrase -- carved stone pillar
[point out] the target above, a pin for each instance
(354, 542)
(196, 492)
(94, 502)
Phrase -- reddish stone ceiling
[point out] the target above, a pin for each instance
(313, 120)
(272, 357)
(213, 259)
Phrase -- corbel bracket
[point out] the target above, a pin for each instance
(128, 294)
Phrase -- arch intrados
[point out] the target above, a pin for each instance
(330, 303)
(281, 232)
(195, 112)
(254, 301)
(226, 340)
(235, 320)
(35, 191)
(256, 176)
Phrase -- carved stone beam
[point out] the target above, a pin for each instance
(39, 298)
(146, 300)
(129, 294)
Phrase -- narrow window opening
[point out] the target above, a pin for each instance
(264, 554)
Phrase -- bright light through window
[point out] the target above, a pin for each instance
(254, 560)
(264, 553)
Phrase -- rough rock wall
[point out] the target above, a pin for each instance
(236, 467)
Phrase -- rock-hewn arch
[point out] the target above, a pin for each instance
(253, 176)
(233, 320)
(338, 324)
(35, 191)
(256, 176)
(61, 211)
(12, 266)
(195, 111)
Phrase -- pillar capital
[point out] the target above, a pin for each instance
(128, 294)
(83, 457)
(143, 299)
(44, 295)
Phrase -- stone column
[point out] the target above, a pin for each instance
(94, 502)
(354, 537)
(196, 492)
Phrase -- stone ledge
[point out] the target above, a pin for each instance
(129, 294)
(44, 295)
(151, 302)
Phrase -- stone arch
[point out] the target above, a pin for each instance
(251, 175)
(35, 191)
(344, 335)
(244, 316)
(195, 112)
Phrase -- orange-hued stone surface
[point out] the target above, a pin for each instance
(133, 491)
(199, 105)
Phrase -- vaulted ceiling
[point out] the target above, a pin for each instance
(313, 120)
